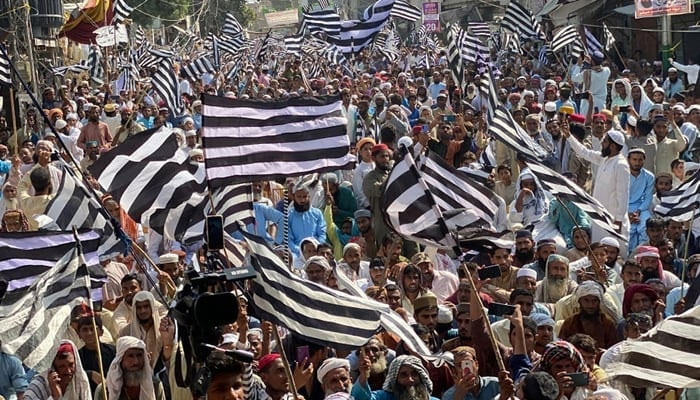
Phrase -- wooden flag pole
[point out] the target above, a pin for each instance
(14, 120)
(285, 361)
(492, 339)
(685, 251)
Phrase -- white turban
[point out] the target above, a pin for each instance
(331, 364)
(318, 260)
(610, 241)
(589, 288)
(115, 378)
(527, 272)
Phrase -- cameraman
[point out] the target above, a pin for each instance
(226, 377)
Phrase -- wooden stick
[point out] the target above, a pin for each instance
(685, 252)
(660, 395)
(492, 339)
(14, 120)
(287, 368)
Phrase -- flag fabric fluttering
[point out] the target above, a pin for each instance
(122, 11)
(564, 37)
(326, 21)
(251, 140)
(95, 64)
(356, 35)
(313, 312)
(681, 202)
(454, 56)
(33, 324)
(518, 19)
(479, 29)
(25, 256)
(410, 209)
(565, 190)
(5, 69)
(666, 356)
(149, 173)
(592, 43)
(293, 44)
(231, 27)
(74, 206)
(166, 84)
(405, 10)
(609, 38)
(195, 69)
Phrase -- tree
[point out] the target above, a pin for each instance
(213, 17)
(169, 11)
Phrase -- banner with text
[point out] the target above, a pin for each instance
(655, 8)
(431, 17)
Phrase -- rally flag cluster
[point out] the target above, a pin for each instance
(34, 323)
(683, 202)
(307, 135)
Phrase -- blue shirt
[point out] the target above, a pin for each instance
(435, 88)
(13, 379)
(641, 191)
(305, 224)
(488, 390)
(363, 392)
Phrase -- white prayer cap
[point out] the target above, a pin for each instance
(60, 124)
(329, 177)
(168, 258)
(610, 241)
(405, 141)
(692, 108)
(589, 288)
(187, 119)
(528, 93)
(631, 120)
(636, 150)
(331, 364)
(527, 272)
(658, 89)
(338, 396)
(195, 152)
(672, 69)
(318, 260)
(229, 338)
(444, 315)
(351, 246)
(191, 133)
(72, 116)
(679, 107)
(550, 106)
(196, 103)
(617, 137)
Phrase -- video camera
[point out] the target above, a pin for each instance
(203, 305)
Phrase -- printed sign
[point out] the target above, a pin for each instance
(658, 8)
(431, 17)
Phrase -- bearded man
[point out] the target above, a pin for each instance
(407, 379)
(130, 376)
(145, 324)
(304, 221)
(556, 284)
(372, 187)
(65, 380)
(590, 320)
(334, 375)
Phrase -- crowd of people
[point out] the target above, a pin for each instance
(577, 293)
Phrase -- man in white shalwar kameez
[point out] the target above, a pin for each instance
(611, 185)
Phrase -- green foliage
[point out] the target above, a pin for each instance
(213, 18)
(169, 11)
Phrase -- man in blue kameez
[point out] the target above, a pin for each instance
(304, 221)
(641, 192)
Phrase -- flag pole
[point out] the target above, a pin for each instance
(92, 313)
(14, 120)
(594, 262)
(685, 251)
(285, 361)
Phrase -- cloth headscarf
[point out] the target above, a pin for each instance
(115, 378)
(645, 104)
(560, 350)
(8, 204)
(650, 251)
(552, 258)
(634, 289)
(589, 288)
(329, 365)
(538, 201)
(135, 328)
(616, 100)
(22, 217)
(395, 366)
(79, 388)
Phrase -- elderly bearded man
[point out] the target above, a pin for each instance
(406, 379)
(130, 376)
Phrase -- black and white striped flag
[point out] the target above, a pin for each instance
(410, 209)
(95, 65)
(33, 324)
(566, 190)
(293, 44)
(25, 256)
(128, 78)
(455, 191)
(139, 37)
(327, 21)
(195, 69)
(234, 69)
(454, 55)
(313, 312)
(252, 140)
(518, 19)
(564, 37)
(356, 35)
(122, 11)
(323, 4)
(147, 174)
(73, 206)
(231, 26)
(680, 202)
(609, 38)
(666, 356)
(592, 43)
(479, 29)
(5, 69)
(512, 43)
(166, 84)
(262, 48)
(405, 10)
(473, 50)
